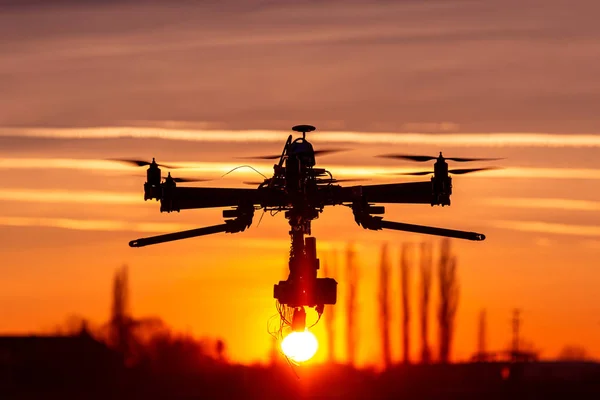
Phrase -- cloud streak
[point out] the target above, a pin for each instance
(549, 227)
(494, 139)
(94, 224)
(64, 196)
(547, 203)
(218, 169)
(106, 68)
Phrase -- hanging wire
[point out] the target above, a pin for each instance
(317, 321)
(261, 217)
(245, 166)
(285, 314)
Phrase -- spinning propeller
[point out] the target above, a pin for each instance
(187, 180)
(450, 171)
(430, 158)
(440, 160)
(277, 156)
(142, 163)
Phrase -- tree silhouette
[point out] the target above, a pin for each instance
(449, 293)
(126, 335)
(572, 353)
(425, 267)
(220, 350)
(406, 254)
(330, 270)
(72, 325)
(481, 354)
(384, 312)
(120, 332)
(352, 281)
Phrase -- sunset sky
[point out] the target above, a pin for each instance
(202, 85)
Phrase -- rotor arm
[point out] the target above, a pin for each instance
(429, 230)
(187, 198)
(169, 237)
(377, 223)
(243, 219)
(394, 193)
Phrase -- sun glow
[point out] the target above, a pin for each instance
(300, 346)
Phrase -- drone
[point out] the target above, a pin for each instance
(302, 191)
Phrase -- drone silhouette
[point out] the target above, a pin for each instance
(302, 191)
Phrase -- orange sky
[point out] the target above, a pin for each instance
(202, 85)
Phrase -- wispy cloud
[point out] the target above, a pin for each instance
(64, 196)
(548, 203)
(108, 165)
(94, 225)
(151, 228)
(62, 163)
(216, 169)
(540, 173)
(549, 227)
(591, 244)
(494, 139)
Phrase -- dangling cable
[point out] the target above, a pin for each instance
(261, 217)
(317, 321)
(245, 166)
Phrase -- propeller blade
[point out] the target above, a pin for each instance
(185, 180)
(458, 159)
(415, 173)
(468, 170)
(408, 157)
(140, 163)
(276, 157)
(334, 180)
(430, 158)
(460, 171)
(328, 151)
(271, 157)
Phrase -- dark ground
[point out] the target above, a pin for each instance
(80, 367)
(223, 381)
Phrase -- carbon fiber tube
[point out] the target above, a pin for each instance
(429, 230)
(169, 237)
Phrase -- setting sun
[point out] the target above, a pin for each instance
(300, 346)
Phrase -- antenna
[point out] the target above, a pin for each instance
(304, 129)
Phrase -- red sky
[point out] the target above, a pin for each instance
(205, 84)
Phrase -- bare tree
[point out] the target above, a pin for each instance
(405, 296)
(481, 354)
(449, 294)
(352, 282)
(384, 311)
(573, 353)
(73, 325)
(120, 335)
(426, 267)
